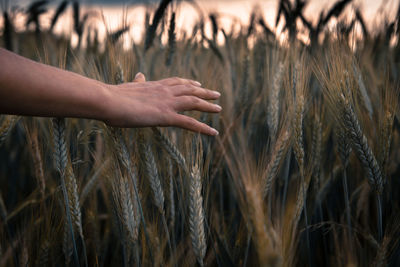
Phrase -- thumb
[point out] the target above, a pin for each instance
(139, 78)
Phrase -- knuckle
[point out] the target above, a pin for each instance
(190, 122)
(187, 99)
(181, 88)
(194, 100)
(168, 118)
(163, 90)
(194, 90)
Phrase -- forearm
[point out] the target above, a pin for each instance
(34, 89)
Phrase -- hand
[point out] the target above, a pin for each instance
(145, 104)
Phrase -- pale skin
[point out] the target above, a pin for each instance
(33, 89)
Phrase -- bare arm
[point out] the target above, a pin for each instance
(34, 89)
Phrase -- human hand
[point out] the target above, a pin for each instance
(157, 103)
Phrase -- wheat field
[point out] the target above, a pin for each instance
(303, 172)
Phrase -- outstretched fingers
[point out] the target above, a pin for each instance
(179, 81)
(196, 91)
(187, 95)
(187, 103)
(193, 125)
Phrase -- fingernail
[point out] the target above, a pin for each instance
(217, 93)
(214, 132)
(218, 107)
(197, 83)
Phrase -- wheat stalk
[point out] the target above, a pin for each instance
(171, 193)
(316, 147)
(68, 245)
(273, 102)
(37, 160)
(344, 146)
(361, 147)
(152, 174)
(61, 160)
(196, 216)
(171, 41)
(151, 31)
(73, 198)
(128, 217)
(172, 150)
(298, 132)
(365, 155)
(276, 157)
(93, 181)
(363, 91)
(43, 256)
(385, 141)
(344, 150)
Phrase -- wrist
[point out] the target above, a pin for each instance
(104, 102)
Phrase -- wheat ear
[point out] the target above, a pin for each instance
(273, 102)
(361, 147)
(298, 132)
(172, 150)
(60, 159)
(37, 161)
(316, 150)
(273, 166)
(365, 155)
(196, 216)
(152, 174)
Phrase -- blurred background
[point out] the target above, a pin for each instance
(108, 15)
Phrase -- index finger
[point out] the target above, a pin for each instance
(179, 81)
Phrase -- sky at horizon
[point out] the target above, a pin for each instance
(229, 12)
